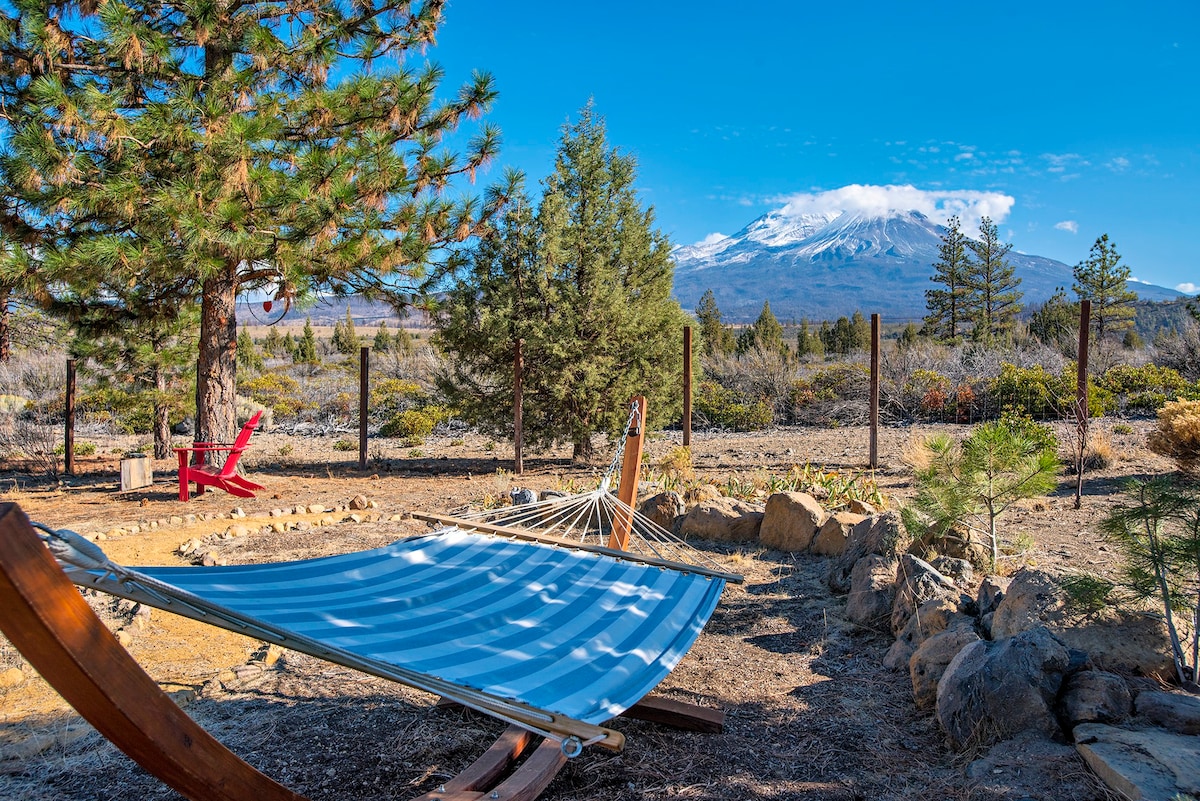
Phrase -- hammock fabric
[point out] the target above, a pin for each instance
(569, 632)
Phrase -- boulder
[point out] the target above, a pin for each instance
(992, 691)
(861, 508)
(930, 618)
(791, 521)
(1146, 763)
(991, 592)
(1121, 642)
(1095, 696)
(934, 655)
(917, 582)
(834, 533)
(1173, 711)
(663, 509)
(715, 520)
(872, 591)
(960, 571)
(882, 534)
(1029, 767)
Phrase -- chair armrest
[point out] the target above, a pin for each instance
(204, 448)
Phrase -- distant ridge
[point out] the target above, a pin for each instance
(823, 266)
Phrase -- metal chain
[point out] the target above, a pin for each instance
(634, 422)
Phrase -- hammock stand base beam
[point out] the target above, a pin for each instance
(48, 621)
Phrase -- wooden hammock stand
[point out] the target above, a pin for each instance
(47, 619)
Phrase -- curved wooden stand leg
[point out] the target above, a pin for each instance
(48, 621)
(45, 617)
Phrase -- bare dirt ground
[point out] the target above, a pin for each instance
(811, 714)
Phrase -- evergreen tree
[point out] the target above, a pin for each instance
(383, 339)
(144, 344)
(1056, 322)
(504, 298)
(597, 318)
(946, 311)
(908, 337)
(402, 341)
(235, 146)
(1104, 280)
(350, 342)
(992, 298)
(306, 348)
(766, 333)
(715, 338)
(248, 357)
(838, 340)
(860, 332)
(273, 344)
(808, 342)
(289, 345)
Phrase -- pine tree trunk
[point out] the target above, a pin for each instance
(162, 423)
(216, 372)
(5, 344)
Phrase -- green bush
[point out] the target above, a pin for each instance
(345, 445)
(1037, 393)
(411, 425)
(1148, 388)
(276, 391)
(727, 408)
(1037, 433)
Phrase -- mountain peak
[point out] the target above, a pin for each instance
(827, 264)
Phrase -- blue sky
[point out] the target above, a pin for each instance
(1063, 120)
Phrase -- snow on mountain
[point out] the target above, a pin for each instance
(822, 266)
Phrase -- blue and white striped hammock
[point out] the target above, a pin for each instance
(555, 639)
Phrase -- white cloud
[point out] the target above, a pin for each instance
(1068, 225)
(1119, 164)
(713, 239)
(964, 156)
(939, 206)
(1187, 288)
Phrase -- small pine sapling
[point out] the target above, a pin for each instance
(971, 483)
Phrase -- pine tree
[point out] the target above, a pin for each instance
(1056, 322)
(860, 332)
(946, 312)
(766, 333)
(273, 344)
(715, 338)
(504, 299)
(248, 357)
(908, 336)
(383, 339)
(992, 298)
(808, 342)
(596, 315)
(350, 341)
(306, 349)
(237, 146)
(1102, 279)
(289, 345)
(145, 344)
(838, 340)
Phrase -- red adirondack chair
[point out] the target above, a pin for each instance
(225, 477)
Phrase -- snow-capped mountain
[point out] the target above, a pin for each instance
(823, 266)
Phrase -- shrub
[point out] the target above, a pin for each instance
(1099, 453)
(727, 408)
(345, 445)
(833, 395)
(411, 425)
(1176, 435)
(276, 391)
(1042, 395)
(1040, 434)
(1144, 389)
(677, 464)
